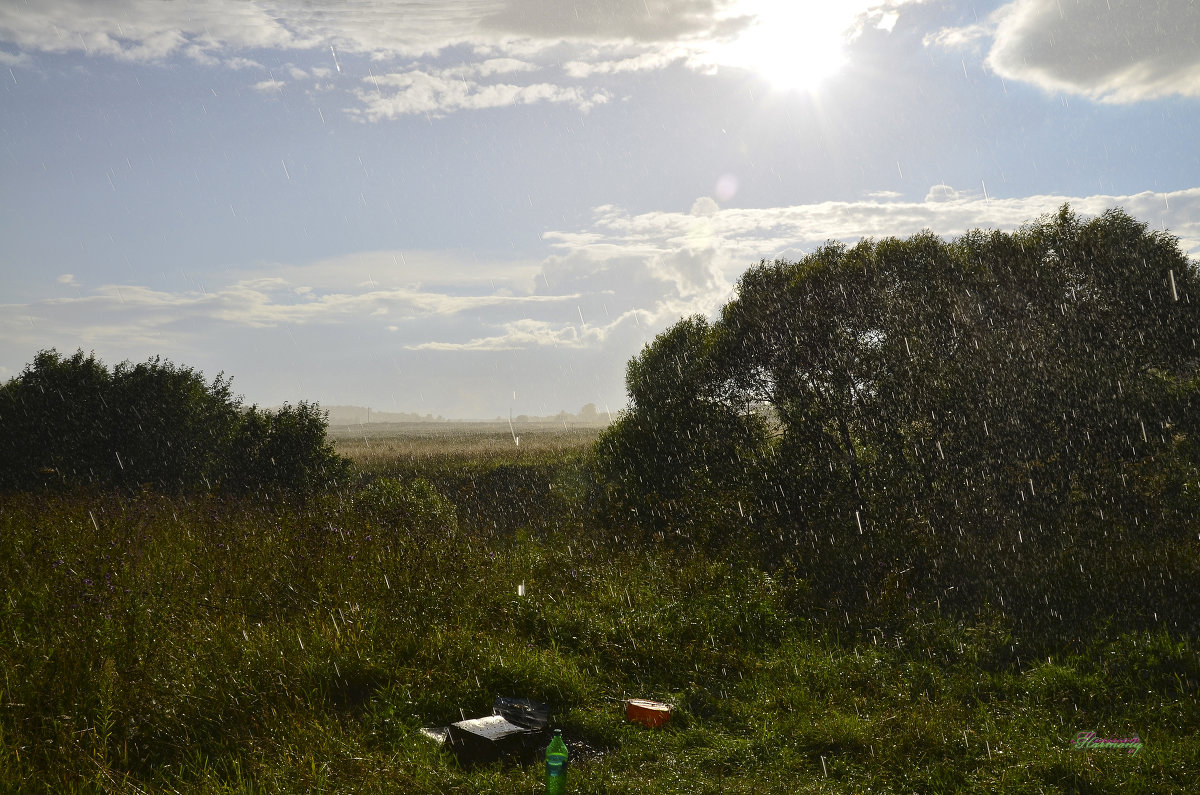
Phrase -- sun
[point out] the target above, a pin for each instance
(794, 45)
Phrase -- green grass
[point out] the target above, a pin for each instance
(385, 447)
(206, 646)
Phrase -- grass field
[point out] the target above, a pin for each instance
(198, 645)
(382, 444)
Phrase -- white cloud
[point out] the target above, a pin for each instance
(1117, 51)
(704, 206)
(151, 29)
(142, 30)
(597, 37)
(699, 254)
(148, 30)
(496, 66)
(138, 314)
(266, 86)
(601, 65)
(14, 59)
(436, 93)
(242, 63)
(663, 21)
(521, 334)
(968, 37)
(606, 288)
(450, 271)
(941, 193)
(607, 20)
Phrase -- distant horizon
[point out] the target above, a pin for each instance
(365, 415)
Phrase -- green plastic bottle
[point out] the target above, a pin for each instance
(556, 765)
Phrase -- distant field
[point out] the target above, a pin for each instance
(380, 442)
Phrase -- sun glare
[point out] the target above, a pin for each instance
(794, 45)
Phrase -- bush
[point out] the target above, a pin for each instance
(416, 506)
(286, 449)
(69, 422)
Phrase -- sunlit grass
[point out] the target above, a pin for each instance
(382, 446)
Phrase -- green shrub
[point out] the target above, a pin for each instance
(415, 506)
(69, 422)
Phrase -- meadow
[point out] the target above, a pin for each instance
(203, 644)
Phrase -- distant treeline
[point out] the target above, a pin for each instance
(589, 415)
(356, 415)
(1004, 419)
(71, 421)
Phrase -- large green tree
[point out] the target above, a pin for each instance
(680, 458)
(947, 408)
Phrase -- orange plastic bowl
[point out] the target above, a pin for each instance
(651, 714)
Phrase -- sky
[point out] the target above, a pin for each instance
(484, 207)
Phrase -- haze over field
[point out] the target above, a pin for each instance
(487, 207)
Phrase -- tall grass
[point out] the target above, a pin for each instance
(202, 645)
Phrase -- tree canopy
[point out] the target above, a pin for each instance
(70, 421)
(946, 410)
